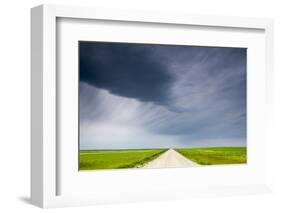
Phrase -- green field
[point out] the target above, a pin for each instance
(114, 159)
(135, 158)
(216, 155)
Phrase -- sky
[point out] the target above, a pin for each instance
(135, 96)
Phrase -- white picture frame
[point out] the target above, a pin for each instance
(45, 171)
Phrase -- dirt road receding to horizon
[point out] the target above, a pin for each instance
(170, 159)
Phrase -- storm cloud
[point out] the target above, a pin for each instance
(125, 70)
(147, 96)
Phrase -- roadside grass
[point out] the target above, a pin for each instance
(114, 159)
(216, 155)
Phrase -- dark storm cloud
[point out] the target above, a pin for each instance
(180, 96)
(127, 70)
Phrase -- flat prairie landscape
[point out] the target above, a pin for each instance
(144, 105)
(161, 158)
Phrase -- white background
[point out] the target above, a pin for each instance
(15, 104)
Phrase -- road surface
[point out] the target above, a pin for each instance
(170, 159)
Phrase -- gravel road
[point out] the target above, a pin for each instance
(170, 159)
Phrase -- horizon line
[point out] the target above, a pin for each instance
(161, 148)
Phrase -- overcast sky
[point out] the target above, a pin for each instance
(152, 96)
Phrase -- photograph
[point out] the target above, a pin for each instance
(146, 105)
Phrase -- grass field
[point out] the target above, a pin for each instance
(113, 159)
(216, 155)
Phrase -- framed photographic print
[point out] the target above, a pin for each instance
(148, 105)
(161, 106)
